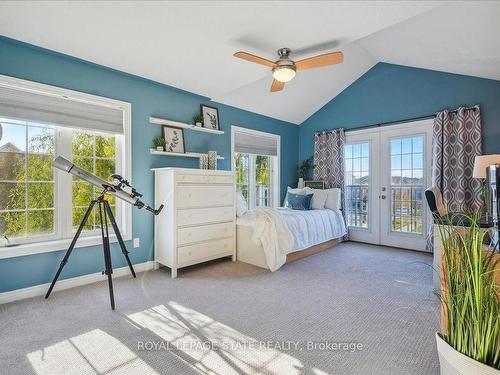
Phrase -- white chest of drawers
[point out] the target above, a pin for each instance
(197, 223)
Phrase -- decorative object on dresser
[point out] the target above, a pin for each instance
(198, 221)
(174, 139)
(203, 161)
(210, 117)
(212, 160)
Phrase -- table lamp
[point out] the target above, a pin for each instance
(482, 162)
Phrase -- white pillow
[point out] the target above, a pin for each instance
(333, 199)
(318, 199)
(300, 191)
(241, 204)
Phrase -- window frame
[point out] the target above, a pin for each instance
(63, 218)
(275, 166)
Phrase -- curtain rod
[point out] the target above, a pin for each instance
(388, 123)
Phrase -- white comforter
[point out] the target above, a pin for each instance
(307, 228)
(270, 231)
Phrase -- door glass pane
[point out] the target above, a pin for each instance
(407, 184)
(357, 169)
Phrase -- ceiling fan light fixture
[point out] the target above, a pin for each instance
(283, 73)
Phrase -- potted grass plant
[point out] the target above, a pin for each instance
(303, 170)
(469, 341)
(159, 143)
(198, 120)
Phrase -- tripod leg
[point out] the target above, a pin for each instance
(71, 246)
(107, 253)
(118, 236)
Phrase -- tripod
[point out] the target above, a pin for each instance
(105, 214)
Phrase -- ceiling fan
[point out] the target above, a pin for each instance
(284, 69)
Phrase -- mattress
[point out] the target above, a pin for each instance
(309, 227)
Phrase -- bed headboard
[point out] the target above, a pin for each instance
(315, 184)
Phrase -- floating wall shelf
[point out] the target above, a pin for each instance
(161, 121)
(185, 155)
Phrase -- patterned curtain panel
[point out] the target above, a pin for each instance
(456, 141)
(329, 160)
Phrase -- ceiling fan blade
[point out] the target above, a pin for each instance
(277, 86)
(320, 60)
(254, 59)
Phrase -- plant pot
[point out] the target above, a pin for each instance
(198, 124)
(160, 148)
(453, 362)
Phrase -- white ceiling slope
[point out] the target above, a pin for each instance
(460, 37)
(189, 45)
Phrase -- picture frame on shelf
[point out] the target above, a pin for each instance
(210, 117)
(174, 139)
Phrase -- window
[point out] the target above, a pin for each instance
(357, 170)
(95, 153)
(407, 179)
(26, 179)
(256, 166)
(37, 203)
(253, 179)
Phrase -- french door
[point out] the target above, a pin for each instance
(387, 171)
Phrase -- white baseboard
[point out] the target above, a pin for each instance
(39, 290)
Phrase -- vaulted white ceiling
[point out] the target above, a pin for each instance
(189, 45)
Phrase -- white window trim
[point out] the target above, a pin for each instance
(126, 150)
(275, 166)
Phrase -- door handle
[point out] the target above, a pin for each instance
(383, 196)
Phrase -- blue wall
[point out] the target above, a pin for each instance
(148, 98)
(393, 92)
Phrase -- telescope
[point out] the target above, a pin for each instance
(116, 189)
(119, 188)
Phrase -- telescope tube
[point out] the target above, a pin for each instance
(67, 166)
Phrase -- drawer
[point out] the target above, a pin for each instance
(203, 179)
(204, 233)
(205, 196)
(193, 216)
(192, 253)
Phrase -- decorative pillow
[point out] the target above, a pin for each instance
(299, 201)
(300, 191)
(318, 199)
(333, 199)
(241, 204)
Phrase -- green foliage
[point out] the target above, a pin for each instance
(29, 196)
(470, 295)
(159, 142)
(197, 118)
(305, 167)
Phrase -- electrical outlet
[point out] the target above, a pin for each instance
(137, 242)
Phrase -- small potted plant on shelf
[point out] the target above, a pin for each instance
(159, 143)
(198, 120)
(469, 341)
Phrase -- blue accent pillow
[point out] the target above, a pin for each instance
(299, 201)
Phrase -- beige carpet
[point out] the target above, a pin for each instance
(354, 309)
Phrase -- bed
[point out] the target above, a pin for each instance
(309, 229)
